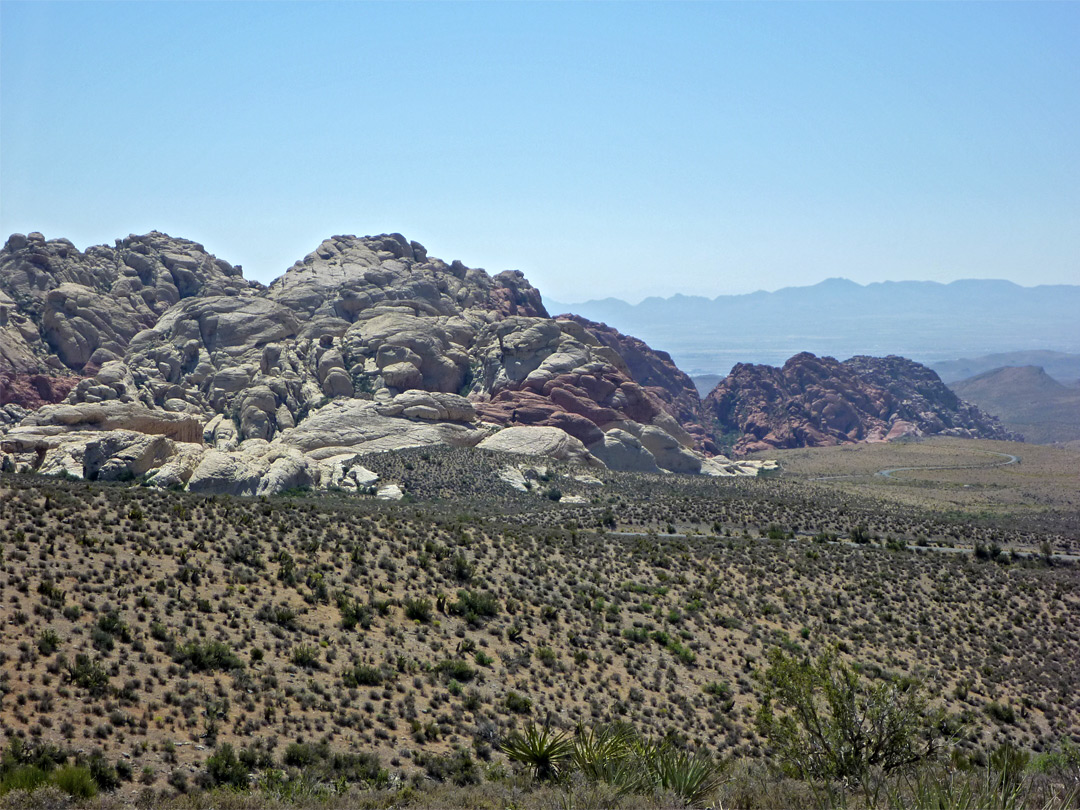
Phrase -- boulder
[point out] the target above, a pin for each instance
(621, 450)
(288, 470)
(668, 452)
(344, 471)
(222, 473)
(120, 455)
(358, 425)
(548, 442)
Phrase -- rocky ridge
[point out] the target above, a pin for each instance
(153, 359)
(818, 401)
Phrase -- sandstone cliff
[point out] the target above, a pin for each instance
(365, 345)
(817, 401)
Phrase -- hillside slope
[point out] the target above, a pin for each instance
(1028, 401)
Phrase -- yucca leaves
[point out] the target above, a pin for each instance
(691, 777)
(546, 753)
(616, 756)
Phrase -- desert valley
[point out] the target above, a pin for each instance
(388, 533)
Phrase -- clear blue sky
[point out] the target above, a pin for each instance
(603, 148)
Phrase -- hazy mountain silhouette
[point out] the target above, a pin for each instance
(924, 320)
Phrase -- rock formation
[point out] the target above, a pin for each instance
(173, 368)
(656, 372)
(814, 402)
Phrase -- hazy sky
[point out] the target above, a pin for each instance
(603, 148)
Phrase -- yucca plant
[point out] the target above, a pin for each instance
(657, 765)
(600, 753)
(546, 753)
(608, 754)
(691, 777)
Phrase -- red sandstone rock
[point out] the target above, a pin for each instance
(818, 401)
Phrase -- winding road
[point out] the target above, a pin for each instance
(1009, 459)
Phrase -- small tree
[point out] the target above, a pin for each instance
(829, 726)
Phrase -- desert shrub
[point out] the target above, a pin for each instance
(860, 534)
(518, 704)
(418, 610)
(721, 690)
(1001, 712)
(353, 613)
(105, 775)
(111, 623)
(451, 668)
(23, 777)
(48, 642)
(363, 675)
(317, 760)
(305, 655)
(460, 568)
(281, 615)
(301, 755)
(206, 657)
(1063, 761)
(75, 780)
(88, 674)
(476, 606)
(828, 725)
(456, 766)
(223, 767)
(638, 635)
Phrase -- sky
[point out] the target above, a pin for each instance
(605, 149)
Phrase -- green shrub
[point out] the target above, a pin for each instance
(827, 724)
(518, 704)
(105, 775)
(1002, 713)
(475, 606)
(112, 624)
(721, 690)
(457, 767)
(223, 767)
(88, 675)
(23, 777)
(305, 655)
(75, 780)
(639, 635)
(281, 615)
(418, 610)
(207, 657)
(363, 675)
(48, 642)
(451, 668)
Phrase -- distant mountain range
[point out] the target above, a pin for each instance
(1063, 367)
(925, 321)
